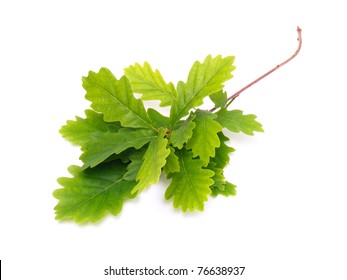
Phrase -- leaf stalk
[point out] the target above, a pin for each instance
(237, 94)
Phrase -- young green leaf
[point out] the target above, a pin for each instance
(221, 158)
(172, 165)
(91, 193)
(219, 98)
(150, 84)
(81, 131)
(229, 190)
(219, 162)
(106, 144)
(115, 99)
(158, 119)
(182, 132)
(218, 177)
(190, 186)
(235, 121)
(204, 79)
(205, 136)
(154, 160)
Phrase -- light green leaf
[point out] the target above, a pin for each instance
(115, 99)
(81, 131)
(150, 84)
(204, 79)
(219, 98)
(172, 165)
(229, 190)
(221, 158)
(218, 163)
(107, 144)
(158, 119)
(218, 177)
(182, 132)
(190, 186)
(91, 193)
(235, 121)
(154, 160)
(205, 136)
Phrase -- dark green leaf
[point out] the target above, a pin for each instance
(106, 144)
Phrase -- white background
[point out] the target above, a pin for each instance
(288, 220)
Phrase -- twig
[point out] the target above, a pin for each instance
(235, 95)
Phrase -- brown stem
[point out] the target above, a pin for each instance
(232, 98)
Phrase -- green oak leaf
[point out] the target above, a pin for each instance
(218, 177)
(158, 120)
(154, 160)
(219, 98)
(235, 121)
(81, 131)
(221, 158)
(205, 136)
(93, 192)
(190, 186)
(228, 190)
(150, 84)
(172, 165)
(115, 99)
(217, 165)
(107, 144)
(204, 79)
(182, 132)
